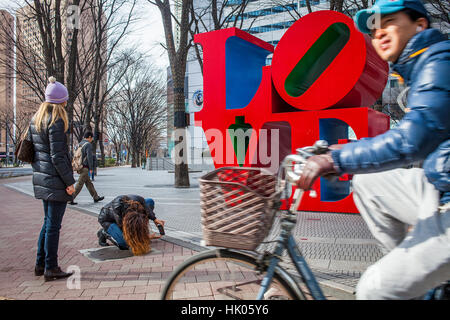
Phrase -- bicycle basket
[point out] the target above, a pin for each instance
(237, 206)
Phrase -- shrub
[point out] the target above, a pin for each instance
(110, 162)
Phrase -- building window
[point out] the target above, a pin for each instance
(271, 27)
(263, 12)
(236, 2)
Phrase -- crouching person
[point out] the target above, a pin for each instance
(124, 222)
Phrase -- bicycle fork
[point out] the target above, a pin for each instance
(304, 270)
(286, 240)
(270, 271)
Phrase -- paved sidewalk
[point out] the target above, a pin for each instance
(136, 278)
(338, 247)
(9, 172)
(129, 278)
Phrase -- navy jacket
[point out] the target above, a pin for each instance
(52, 167)
(423, 133)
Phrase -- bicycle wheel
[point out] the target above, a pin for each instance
(226, 275)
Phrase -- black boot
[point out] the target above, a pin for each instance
(102, 238)
(38, 270)
(99, 199)
(55, 274)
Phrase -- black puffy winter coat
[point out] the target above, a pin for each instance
(52, 166)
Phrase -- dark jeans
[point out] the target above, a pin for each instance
(116, 233)
(47, 250)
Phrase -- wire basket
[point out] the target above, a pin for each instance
(237, 206)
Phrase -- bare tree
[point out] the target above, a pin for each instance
(116, 132)
(42, 50)
(30, 62)
(293, 7)
(138, 109)
(217, 15)
(51, 18)
(99, 54)
(16, 125)
(177, 51)
(350, 7)
(79, 53)
(188, 22)
(440, 10)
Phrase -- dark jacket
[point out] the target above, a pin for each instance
(114, 211)
(52, 168)
(423, 133)
(86, 151)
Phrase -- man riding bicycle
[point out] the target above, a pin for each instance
(390, 197)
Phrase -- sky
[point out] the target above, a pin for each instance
(147, 33)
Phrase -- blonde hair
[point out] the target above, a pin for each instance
(58, 111)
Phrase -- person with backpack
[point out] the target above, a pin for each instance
(83, 164)
(53, 180)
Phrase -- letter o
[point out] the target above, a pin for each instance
(323, 61)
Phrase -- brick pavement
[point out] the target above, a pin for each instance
(136, 278)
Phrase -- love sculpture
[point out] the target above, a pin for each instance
(324, 76)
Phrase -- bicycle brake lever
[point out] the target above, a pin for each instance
(320, 147)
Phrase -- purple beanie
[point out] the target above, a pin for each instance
(56, 92)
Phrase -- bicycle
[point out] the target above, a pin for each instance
(234, 270)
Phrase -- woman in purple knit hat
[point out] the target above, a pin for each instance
(53, 180)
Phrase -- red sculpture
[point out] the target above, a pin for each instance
(324, 76)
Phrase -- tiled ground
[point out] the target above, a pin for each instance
(136, 278)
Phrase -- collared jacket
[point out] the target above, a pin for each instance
(423, 133)
(86, 152)
(114, 211)
(52, 168)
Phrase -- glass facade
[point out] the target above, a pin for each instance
(263, 12)
(271, 27)
(235, 2)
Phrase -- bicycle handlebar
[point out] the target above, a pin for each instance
(294, 163)
(302, 154)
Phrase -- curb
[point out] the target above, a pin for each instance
(337, 290)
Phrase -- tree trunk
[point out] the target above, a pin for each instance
(177, 59)
(117, 149)
(71, 75)
(102, 152)
(182, 169)
(133, 161)
(181, 161)
(308, 5)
